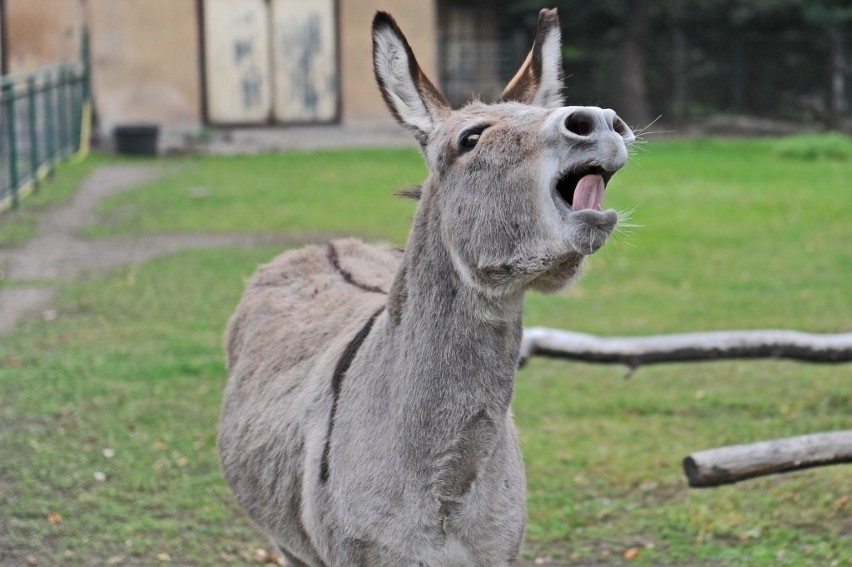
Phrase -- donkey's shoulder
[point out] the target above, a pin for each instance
(303, 298)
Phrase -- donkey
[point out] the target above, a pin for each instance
(366, 419)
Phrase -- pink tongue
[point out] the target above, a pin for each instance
(589, 193)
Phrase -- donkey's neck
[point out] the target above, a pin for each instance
(458, 348)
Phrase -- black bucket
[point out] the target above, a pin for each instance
(137, 139)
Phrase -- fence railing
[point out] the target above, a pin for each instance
(44, 118)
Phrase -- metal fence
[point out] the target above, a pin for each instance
(44, 118)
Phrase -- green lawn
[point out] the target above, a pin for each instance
(108, 414)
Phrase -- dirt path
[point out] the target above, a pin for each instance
(59, 253)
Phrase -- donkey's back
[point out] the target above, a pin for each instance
(290, 329)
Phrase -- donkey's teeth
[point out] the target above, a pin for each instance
(589, 193)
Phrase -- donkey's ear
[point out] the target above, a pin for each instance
(539, 80)
(410, 95)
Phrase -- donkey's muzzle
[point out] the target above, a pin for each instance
(590, 124)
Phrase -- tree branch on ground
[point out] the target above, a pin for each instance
(735, 463)
(687, 347)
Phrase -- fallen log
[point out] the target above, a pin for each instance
(687, 347)
(735, 463)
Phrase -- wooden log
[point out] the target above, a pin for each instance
(735, 463)
(687, 347)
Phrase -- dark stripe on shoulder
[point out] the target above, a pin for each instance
(337, 383)
(335, 261)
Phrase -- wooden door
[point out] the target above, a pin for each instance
(237, 61)
(304, 60)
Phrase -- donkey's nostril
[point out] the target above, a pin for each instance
(619, 126)
(580, 123)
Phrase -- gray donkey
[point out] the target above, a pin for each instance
(366, 420)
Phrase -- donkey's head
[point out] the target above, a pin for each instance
(516, 187)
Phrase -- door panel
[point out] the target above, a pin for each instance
(304, 60)
(237, 61)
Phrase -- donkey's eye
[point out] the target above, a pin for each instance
(469, 141)
(469, 138)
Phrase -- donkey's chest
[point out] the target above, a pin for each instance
(462, 505)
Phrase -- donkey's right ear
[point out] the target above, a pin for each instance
(410, 95)
(539, 80)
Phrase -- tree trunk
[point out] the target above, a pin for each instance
(838, 80)
(679, 70)
(679, 65)
(630, 98)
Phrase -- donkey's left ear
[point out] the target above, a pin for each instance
(539, 80)
(412, 98)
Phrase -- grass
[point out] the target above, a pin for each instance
(323, 192)
(20, 225)
(734, 235)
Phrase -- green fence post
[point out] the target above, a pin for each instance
(12, 139)
(77, 110)
(62, 117)
(31, 104)
(71, 110)
(85, 80)
(49, 124)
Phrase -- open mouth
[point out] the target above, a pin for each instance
(583, 187)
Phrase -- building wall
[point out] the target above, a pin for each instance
(361, 100)
(145, 59)
(42, 32)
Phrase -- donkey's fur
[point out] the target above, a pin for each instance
(366, 420)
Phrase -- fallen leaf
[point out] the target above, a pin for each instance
(164, 557)
(54, 518)
(108, 453)
(631, 554)
(30, 560)
(841, 503)
(99, 476)
(263, 556)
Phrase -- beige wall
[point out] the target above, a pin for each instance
(41, 32)
(361, 101)
(145, 61)
(145, 53)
